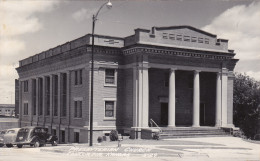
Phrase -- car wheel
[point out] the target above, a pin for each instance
(41, 145)
(1, 145)
(54, 143)
(19, 145)
(36, 144)
(8, 145)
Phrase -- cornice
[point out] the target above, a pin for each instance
(176, 52)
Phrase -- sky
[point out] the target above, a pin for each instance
(28, 27)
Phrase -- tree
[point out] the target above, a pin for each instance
(246, 104)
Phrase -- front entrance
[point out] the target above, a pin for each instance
(164, 114)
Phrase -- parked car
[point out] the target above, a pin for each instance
(2, 138)
(10, 137)
(35, 136)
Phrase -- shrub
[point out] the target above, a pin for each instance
(99, 139)
(156, 136)
(113, 135)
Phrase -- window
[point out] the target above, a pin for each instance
(55, 95)
(193, 39)
(78, 109)
(172, 36)
(54, 132)
(64, 95)
(63, 136)
(110, 76)
(34, 96)
(40, 96)
(47, 96)
(25, 86)
(186, 38)
(109, 109)
(200, 40)
(179, 37)
(25, 108)
(206, 41)
(165, 36)
(76, 137)
(78, 77)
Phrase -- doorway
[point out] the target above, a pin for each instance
(164, 114)
(202, 114)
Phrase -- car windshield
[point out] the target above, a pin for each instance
(10, 131)
(24, 130)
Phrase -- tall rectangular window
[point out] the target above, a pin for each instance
(40, 96)
(110, 76)
(109, 109)
(62, 136)
(76, 137)
(64, 95)
(34, 96)
(25, 108)
(55, 95)
(78, 77)
(47, 96)
(78, 109)
(25, 86)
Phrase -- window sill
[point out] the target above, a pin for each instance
(109, 119)
(77, 118)
(78, 85)
(110, 85)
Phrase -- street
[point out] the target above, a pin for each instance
(183, 149)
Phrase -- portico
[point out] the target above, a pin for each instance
(196, 110)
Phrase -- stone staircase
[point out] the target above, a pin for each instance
(189, 132)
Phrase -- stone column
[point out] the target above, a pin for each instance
(196, 100)
(171, 105)
(135, 97)
(224, 80)
(143, 93)
(218, 101)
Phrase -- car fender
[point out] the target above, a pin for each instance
(52, 138)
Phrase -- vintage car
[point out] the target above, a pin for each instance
(35, 136)
(2, 138)
(10, 137)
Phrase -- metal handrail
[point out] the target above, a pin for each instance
(153, 122)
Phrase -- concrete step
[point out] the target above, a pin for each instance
(180, 132)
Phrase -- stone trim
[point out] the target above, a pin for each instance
(135, 50)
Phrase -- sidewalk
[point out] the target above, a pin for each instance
(207, 148)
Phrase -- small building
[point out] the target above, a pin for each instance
(7, 110)
(176, 76)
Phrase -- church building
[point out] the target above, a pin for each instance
(177, 76)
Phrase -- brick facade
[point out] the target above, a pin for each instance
(140, 65)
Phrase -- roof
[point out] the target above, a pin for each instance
(179, 27)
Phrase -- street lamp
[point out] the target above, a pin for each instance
(109, 5)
